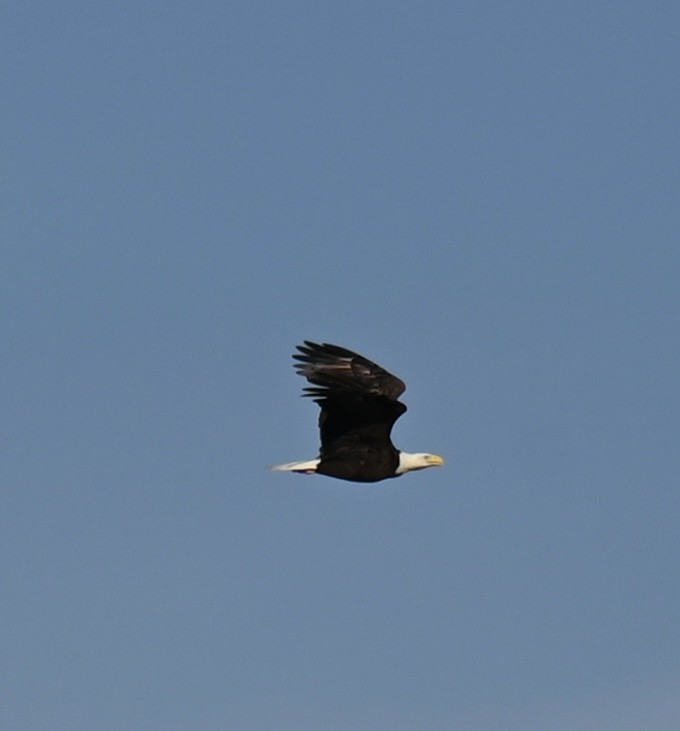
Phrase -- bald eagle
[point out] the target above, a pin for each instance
(359, 405)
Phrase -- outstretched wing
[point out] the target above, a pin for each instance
(334, 370)
(358, 398)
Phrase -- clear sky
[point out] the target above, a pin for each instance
(483, 197)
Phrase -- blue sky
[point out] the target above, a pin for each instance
(483, 197)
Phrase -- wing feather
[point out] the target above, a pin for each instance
(334, 370)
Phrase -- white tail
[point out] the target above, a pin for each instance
(306, 468)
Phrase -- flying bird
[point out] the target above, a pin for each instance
(359, 405)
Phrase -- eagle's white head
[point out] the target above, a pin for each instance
(419, 461)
